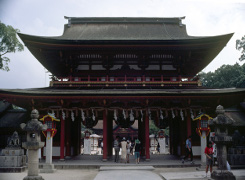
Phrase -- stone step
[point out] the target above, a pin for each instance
(111, 168)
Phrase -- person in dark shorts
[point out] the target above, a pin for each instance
(209, 154)
(137, 150)
(116, 148)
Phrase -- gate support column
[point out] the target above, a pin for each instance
(105, 129)
(68, 138)
(62, 137)
(147, 143)
(188, 124)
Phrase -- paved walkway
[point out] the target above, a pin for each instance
(86, 167)
(95, 174)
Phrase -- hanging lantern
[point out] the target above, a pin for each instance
(51, 124)
(202, 124)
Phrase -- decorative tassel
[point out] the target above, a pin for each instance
(192, 116)
(115, 114)
(173, 116)
(72, 116)
(131, 115)
(182, 115)
(63, 115)
(124, 115)
(93, 116)
(82, 115)
(161, 115)
(141, 112)
(149, 114)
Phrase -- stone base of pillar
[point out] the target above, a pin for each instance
(68, 157)
(147, 160)
(48, 168)
(33, 178)
(62, 159)
(104, 160)
(222, 175)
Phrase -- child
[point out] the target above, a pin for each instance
(209, 154)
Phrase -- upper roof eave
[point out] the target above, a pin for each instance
(57, 40)
(118, 92)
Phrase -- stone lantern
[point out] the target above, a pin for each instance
(221, 124)
(203, 131)
(33, 143)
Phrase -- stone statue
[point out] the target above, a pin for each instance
(13, 141)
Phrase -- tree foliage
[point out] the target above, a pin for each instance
(227, 76)
(240, 45)
(8, 44)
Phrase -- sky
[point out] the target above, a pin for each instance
(46, 18)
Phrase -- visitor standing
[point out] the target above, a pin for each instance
(137, 151)
(124, 150)
(128, 150)
(116, 148)
(209, 154)
(188, 149)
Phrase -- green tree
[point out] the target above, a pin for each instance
(8, 44)
(153, 129)
(227, 76)
(240, 45)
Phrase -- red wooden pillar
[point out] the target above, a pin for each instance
(188, 124)
(105, 135)
(147, 142)
(68, 137)
(62, 137)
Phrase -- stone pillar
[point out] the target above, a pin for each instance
(105, 129)
(62, 138)
(147, 142)
(203, 146)
(48, 167)
(49, 146)
(33, 163)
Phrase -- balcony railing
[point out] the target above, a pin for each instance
(123, 81)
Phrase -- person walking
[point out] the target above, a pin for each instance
(188, 149)
(124, 150)
(116, 148)
(137, 150)
(158, 148)
(209, 154)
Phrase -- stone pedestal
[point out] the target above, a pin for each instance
(12, 160)
(222, 175)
